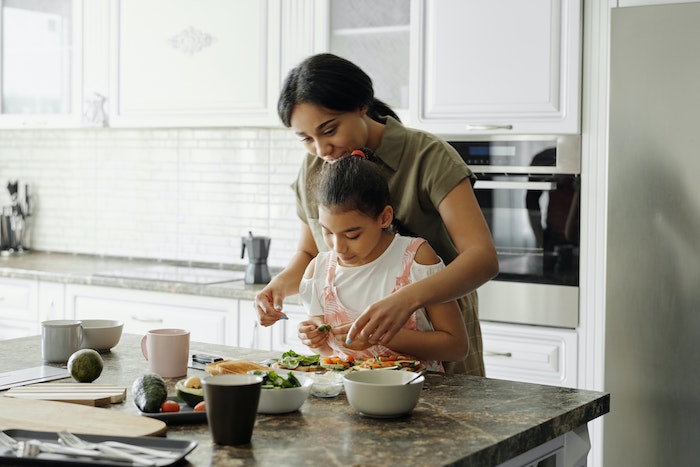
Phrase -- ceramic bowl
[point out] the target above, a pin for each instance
(101, 334)
(274, 401)
(382, 394)
(328, 384)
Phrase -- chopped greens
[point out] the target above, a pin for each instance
(272, 380)
(291, 359)
(324, 328)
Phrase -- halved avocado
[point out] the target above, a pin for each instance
(189, 395)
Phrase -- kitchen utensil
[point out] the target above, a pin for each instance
(69, 439)
(32, 375)
(31, 414)
(232, 403)
(256, 271)
(167, 351)
(60, 338)
(418, 375)
(382, 394)
(77, 393)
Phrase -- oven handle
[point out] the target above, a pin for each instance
(501, 185)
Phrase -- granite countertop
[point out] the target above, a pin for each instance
(95, 270)
(464, 420)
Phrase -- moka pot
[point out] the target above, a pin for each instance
(256, 271)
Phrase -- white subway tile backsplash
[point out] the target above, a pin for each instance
(168, 194)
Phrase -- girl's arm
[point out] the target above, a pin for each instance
(476, 264)
(268, 302)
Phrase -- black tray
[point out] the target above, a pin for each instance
(186, 415)
(182, 448)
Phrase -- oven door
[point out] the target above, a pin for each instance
(534, 221)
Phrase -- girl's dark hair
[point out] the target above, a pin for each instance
(354, 183)
(331, 82)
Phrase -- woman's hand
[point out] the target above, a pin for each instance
(380, 322)
(268, 303)
(340, 333)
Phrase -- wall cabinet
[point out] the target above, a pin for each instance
(497, 67)
(532, 354)
(206, 63)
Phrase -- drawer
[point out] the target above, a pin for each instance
(530, 353)
(18, 299)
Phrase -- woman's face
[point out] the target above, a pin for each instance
(356, 238)
(329, 134)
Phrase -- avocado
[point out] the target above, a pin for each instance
(190, 391)
(149, 392)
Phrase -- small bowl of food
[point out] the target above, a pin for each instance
(282, 392)
(383, 394)
(101, 334)
(328, 384)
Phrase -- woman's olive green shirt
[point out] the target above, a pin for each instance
(421, 170)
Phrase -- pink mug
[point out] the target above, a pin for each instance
(167, 351)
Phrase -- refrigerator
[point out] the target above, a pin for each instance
(652, 330)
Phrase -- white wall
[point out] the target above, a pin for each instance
(172, 194)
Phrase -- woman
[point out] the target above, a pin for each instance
(329, 103)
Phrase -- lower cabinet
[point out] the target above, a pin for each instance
(19, 312)
(531, 354)
(209, 319)
(281, 336)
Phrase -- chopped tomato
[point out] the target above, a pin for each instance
(200, 407)
(350, 358)
(328, 360)
(170, 406)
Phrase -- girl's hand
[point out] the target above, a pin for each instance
(268, 303)
(340, 332)
(380, 322)
(309, 335)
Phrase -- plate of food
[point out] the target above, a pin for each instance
(175, 411)
(291, 360)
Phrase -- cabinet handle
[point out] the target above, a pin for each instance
(488, 127)
(497, 354)
(147, 320)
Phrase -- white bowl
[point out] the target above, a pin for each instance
(382, 394)
(101, 334)
(328, 384)
(284, 400)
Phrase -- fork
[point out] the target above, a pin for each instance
(69, 439)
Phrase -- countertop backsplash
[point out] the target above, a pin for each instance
(165, 194)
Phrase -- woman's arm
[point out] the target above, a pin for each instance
(475, 264)
(268, 302)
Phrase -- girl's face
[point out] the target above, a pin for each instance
(356, 238)
(329, 134)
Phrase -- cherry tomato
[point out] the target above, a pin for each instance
(170, 406)
(200, 407)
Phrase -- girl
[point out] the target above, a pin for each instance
(365, 263)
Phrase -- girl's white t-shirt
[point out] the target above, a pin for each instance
(360, 286)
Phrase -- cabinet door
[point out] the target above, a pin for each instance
(532, 354)
(504, 66)
(203, 63)
(281, 336)
(205, 317)
(18, 308)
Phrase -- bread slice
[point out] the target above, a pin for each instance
(233, 366)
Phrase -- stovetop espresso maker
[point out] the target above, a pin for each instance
(257, 271)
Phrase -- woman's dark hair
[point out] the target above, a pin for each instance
(332, 82)
(354, 183)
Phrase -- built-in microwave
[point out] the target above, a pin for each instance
(529, 191)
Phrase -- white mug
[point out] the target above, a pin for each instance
(60, 338)
(167, 351)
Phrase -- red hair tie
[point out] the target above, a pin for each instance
(359, 153)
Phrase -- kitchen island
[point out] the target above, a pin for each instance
(459, 420)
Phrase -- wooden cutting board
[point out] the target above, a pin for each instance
(39, 415)
(97, 395)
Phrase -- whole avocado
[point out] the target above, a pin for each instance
(149, 392)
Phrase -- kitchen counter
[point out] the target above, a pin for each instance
(105, 271)
(459, 420)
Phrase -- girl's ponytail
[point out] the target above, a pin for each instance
(379, 109)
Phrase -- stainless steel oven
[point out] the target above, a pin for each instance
(528, 190)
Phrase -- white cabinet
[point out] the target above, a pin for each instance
(19, 316)
(207, 318)
(204, 63)
(497, 67)
(281, 336)
(41, 63)
(532, 354)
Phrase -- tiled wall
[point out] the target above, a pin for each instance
(172, 194)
